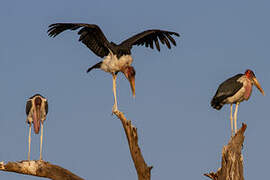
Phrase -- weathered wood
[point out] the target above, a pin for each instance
(232, 159)
(143, 171)
(39, 168)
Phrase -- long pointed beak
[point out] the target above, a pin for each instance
(257, 84)
(132, 85)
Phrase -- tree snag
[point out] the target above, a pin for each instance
(143, 171)
(40, 169)
(232, 159)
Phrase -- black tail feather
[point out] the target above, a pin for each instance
(216, 103)
(96, 66)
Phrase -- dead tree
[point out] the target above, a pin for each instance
(232, 159)
(143, 171)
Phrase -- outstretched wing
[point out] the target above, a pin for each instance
(90, 34)
(149, 37)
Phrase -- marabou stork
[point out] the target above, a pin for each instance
(235, 90)
(36, 111)
(116, 57)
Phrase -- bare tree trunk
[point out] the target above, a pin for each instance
(39, 168)
(143, 171)
(232, 159)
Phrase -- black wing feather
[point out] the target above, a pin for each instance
(96, 66)
(146, 38)
(226, 89)
(90, 35)
(46, 107)
(151, 44)
(157, 44)
(166, 41)
(28, 106)
(171, 39)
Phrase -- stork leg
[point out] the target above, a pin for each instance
(115, 108)
(41, 141)
(231, 117)
(235, 116)
(29, 141)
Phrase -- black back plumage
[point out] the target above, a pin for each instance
(226, 89)
(92, 36)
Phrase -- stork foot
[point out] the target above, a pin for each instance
(115, 108)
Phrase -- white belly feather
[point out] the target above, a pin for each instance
(111, 64)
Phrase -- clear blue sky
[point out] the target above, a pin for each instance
(179, 133)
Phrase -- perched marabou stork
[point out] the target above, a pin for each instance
(235, 90)
(116, 57)
(36, 111)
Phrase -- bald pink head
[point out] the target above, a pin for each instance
(250, 75)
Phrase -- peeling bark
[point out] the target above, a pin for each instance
(143, 171)
(232, 159)
(40, 169)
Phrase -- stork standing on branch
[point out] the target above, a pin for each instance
(116, 57)
(233, 91)
(36, 111)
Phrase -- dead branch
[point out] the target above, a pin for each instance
(232, 159)
(143, 171)
(39, 168)
(54, 172)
